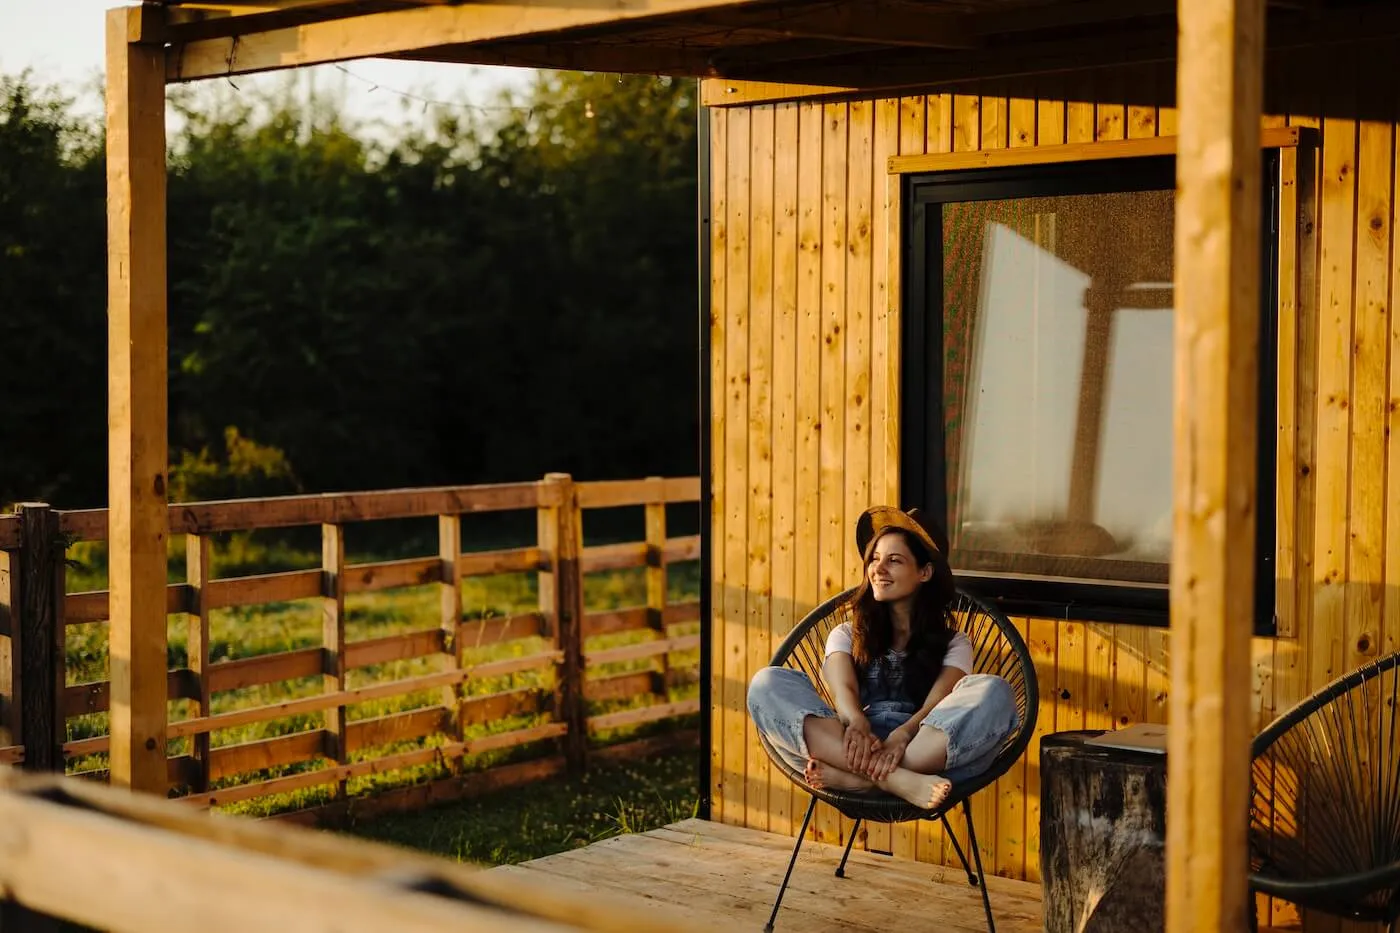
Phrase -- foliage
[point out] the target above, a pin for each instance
(243, 468)
(52, 298)
(463, 303)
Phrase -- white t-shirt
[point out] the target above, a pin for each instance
(959, 652)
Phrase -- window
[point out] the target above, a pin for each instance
(1038, 382)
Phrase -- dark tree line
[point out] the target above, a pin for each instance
(470, 302)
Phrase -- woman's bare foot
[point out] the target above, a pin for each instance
(819, 774)
(925, 791)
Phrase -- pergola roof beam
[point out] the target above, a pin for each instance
(846, 22)
(406, 31)
(639, 59)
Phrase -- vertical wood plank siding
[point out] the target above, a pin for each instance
(805, 271)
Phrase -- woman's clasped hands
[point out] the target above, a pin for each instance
(868, 755)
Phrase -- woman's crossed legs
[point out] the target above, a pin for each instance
(956, 741)
(914, 779)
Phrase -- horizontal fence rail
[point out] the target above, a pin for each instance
(453, 689)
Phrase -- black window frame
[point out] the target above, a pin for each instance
(924, 474)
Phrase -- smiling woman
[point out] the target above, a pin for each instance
(909, 717)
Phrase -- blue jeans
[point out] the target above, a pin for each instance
(977, 717)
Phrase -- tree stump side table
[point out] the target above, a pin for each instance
(1102, 836)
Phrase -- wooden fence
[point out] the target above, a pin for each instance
(555, 644)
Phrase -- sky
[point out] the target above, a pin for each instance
(62, 42)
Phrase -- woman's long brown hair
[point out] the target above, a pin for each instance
(872, 630)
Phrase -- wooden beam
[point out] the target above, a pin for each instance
(906, 69)
(212, 21)
(576, 56)
(1220, 95)
(1276, 137)
(383, 34)
(136, 392)
(856, 23)
(776, 54)
(727, 92)
(1061, 15)
(105, 859)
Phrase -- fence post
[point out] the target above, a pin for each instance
(31, 676)
(560, 527)
(9, 648)
(450, 590)
(656, 580)
(38, 638)
(198, 554)
(333, 642)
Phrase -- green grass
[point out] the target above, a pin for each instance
(550, 816)
(254, 631)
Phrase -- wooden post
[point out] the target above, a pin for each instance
(198, 574)
(136, 398)
(449, 553)
(656, 582)
(333, 640)
(561, 537)
(9, 648)
(39, 638)
(1219, 96)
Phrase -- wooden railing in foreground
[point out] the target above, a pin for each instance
(551, 644)
(118, 861)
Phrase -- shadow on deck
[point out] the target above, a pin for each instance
(726, 877)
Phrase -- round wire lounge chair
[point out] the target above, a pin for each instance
(997, 649)
(1325, 803)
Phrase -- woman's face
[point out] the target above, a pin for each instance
(894, 573)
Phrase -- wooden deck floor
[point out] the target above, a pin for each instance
(726, 877)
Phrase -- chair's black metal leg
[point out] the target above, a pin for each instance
(841, 869)
(977, 856)
(802, 834)
(948, 834)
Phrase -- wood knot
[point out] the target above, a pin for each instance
(1064, 694)
(1363, 644)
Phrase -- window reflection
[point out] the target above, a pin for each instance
(1058, 384)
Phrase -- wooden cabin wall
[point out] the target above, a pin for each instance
(804, 420)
